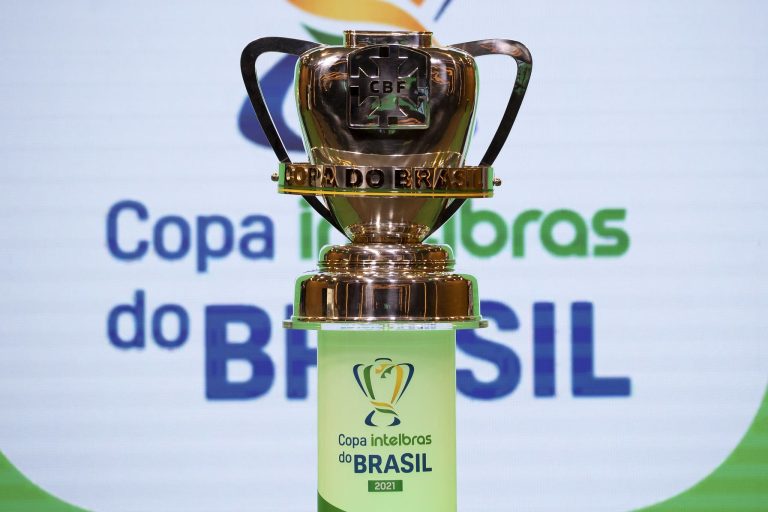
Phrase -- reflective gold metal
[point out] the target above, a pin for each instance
(386, 180)
(374, 282)
(386, 120)
(321, 92)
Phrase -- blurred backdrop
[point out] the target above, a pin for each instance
(135, 197)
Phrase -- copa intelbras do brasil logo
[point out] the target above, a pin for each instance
(139, 233)
(383, 383)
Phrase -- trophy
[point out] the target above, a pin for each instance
(387, 120)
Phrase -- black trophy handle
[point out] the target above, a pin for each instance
(248, 68)
(522, 57)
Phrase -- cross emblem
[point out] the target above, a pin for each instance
(388, 87)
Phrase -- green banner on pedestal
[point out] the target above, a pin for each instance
(386, 420)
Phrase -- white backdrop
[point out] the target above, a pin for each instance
(655, 108)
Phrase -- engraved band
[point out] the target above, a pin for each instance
(305, 178)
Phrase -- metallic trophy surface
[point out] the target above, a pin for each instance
(387, 119)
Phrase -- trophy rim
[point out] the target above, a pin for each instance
(357, 38)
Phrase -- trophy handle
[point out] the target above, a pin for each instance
(248, 68)
(522, 57)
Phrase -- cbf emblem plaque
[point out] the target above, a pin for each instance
(388, 87)
(383, 383)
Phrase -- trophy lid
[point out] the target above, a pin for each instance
(360, 38)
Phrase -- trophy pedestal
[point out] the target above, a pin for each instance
(387, 418)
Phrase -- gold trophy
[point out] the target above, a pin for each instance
(387, 120)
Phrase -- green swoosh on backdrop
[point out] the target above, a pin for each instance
(738, 484)
(19, 494)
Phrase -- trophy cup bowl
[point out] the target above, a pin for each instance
(426, 125)
(387, 120)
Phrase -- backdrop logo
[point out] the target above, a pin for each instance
(383, 383)
(277, 82)
(143, 321)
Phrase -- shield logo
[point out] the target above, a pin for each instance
(388, 88)
(383, 383)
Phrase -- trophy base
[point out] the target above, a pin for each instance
(386, 284)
